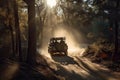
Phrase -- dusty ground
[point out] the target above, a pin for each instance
(79, 68)
(71, 67)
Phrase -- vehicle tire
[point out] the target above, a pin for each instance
(66, 53)
(51, 54)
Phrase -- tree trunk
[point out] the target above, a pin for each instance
(12, 40)
(10, 27)
(17, 31)
(31, 56)
(116, 24)
(40, 27)
(116, 55)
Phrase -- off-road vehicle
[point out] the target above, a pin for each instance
(57, 45)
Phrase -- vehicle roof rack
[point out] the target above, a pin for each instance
(58, 38)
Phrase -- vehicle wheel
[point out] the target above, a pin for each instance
(65, 53)
(51, 54)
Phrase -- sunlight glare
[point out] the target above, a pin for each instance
(51, 3)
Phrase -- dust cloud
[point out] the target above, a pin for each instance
(56, 27)
(73, 39)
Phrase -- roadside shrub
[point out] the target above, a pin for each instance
(102, 49)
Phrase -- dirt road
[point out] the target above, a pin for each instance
(79, 68)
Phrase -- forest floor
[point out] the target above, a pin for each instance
(57, 67)
(79, 68)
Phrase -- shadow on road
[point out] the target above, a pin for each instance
(86, 72)
(13, 70)
(65, 60)
(100, 73)
(68, 75)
